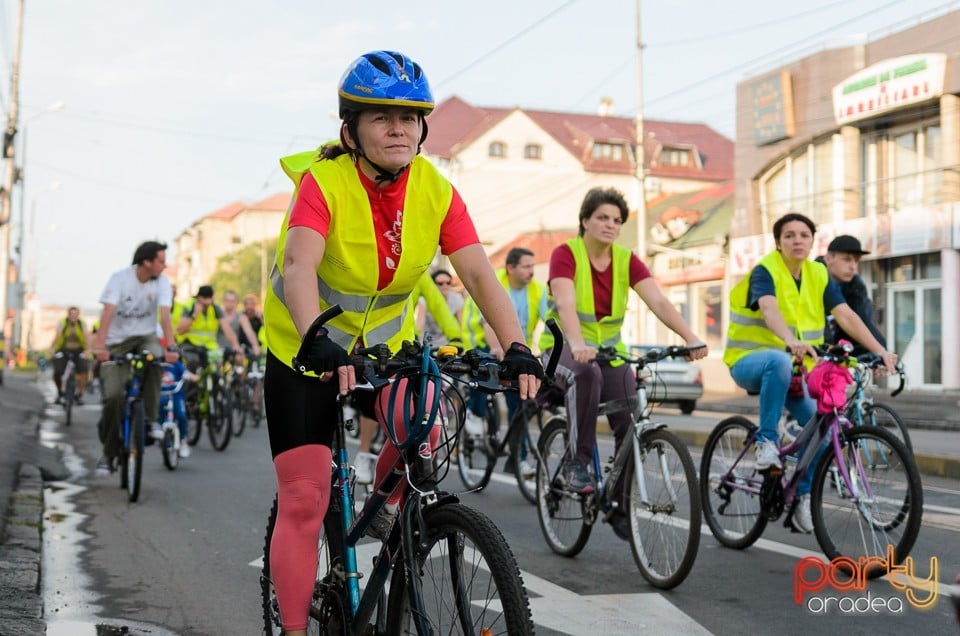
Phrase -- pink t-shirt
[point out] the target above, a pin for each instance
(563, 265)
(310, 210)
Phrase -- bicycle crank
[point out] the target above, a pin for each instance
(771, 493)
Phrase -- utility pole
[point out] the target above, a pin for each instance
(9, 143)
(641, 173)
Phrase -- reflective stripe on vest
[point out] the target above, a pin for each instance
(348, 274)
(606, 331)
(802, 309)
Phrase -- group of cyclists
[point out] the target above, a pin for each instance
(140, 314)
(367, 218)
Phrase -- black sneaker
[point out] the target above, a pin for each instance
(620, 525)
(578, 478)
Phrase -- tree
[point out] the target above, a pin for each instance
(247, 270)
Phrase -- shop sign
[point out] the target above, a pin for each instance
(889, 85)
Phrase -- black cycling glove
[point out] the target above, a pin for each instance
(325, 354)
(517, 361)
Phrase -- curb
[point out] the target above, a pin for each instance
(21, 602)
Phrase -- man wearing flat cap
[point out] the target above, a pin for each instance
(842, 260)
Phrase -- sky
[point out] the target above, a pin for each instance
(172, 109)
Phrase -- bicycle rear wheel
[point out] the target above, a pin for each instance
(730, 485)
(468, 579)
(664, 524)
(888, 419)
(566, 518)
(324, 617)
(885, 511)
(195, 417)
(134, 463)
(219, 425)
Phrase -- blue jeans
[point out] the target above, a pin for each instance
(768, 373)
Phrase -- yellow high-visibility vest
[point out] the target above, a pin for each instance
(348, 274)
(606, 331)
(802, 309)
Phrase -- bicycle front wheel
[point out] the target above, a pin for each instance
(564, 515)
(880, 507)
(69, 393)
(730, 484)
(134, 463)
(169, 448)
(327, 614)
(467, 580)
(885, 417)
(525, 430)
(664, 509)
(219, 425)
(475, 458)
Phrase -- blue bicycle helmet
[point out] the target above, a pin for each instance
(384, 78)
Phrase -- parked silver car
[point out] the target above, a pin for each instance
(672, 381)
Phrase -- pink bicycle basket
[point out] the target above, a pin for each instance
(827, 383)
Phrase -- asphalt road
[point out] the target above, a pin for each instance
(180, 560)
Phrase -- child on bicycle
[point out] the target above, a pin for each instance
(589, 283)
(366, 220)
(776, 313)
(172, 374)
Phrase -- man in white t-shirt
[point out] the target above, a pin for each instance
(132, 300)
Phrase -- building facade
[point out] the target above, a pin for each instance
(200, 247)
(865, 140)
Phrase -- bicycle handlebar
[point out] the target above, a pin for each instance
(377, 362)
(840, 353)
(652, 356)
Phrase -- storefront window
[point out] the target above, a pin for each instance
(707, 319)
(906, 166)
(776, 193)
(932, 337)
(932, 165)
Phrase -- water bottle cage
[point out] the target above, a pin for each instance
(771, 494)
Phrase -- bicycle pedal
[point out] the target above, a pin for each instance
(772, 471)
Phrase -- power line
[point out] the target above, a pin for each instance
(503, 44)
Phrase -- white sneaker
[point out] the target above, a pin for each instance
(475, 424)
(802, 519)
(363, 467)
(184, 450)
(768, 456)
(156, 431)
(527, 470)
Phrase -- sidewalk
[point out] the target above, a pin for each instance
(21, 500)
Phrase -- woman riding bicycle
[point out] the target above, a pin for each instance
(367, 199)
(589, 284)
(777, 313)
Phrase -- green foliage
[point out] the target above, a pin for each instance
(245, 271)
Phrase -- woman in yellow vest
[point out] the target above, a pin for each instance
(590, 280)
(367, 217)
(776, 313)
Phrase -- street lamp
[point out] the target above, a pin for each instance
(18, 284)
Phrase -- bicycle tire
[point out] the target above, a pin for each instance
(69, 391)
(192, 397)
(470, 581)
(330, 543)
(665, 530)
(171, 454)
(740, 526)
(563, 515)
(524, 431)
(238, 407)
(890, 514)
(475, 459)
(885, 417)
(219, 426)
(256, 403)
(135, 452)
